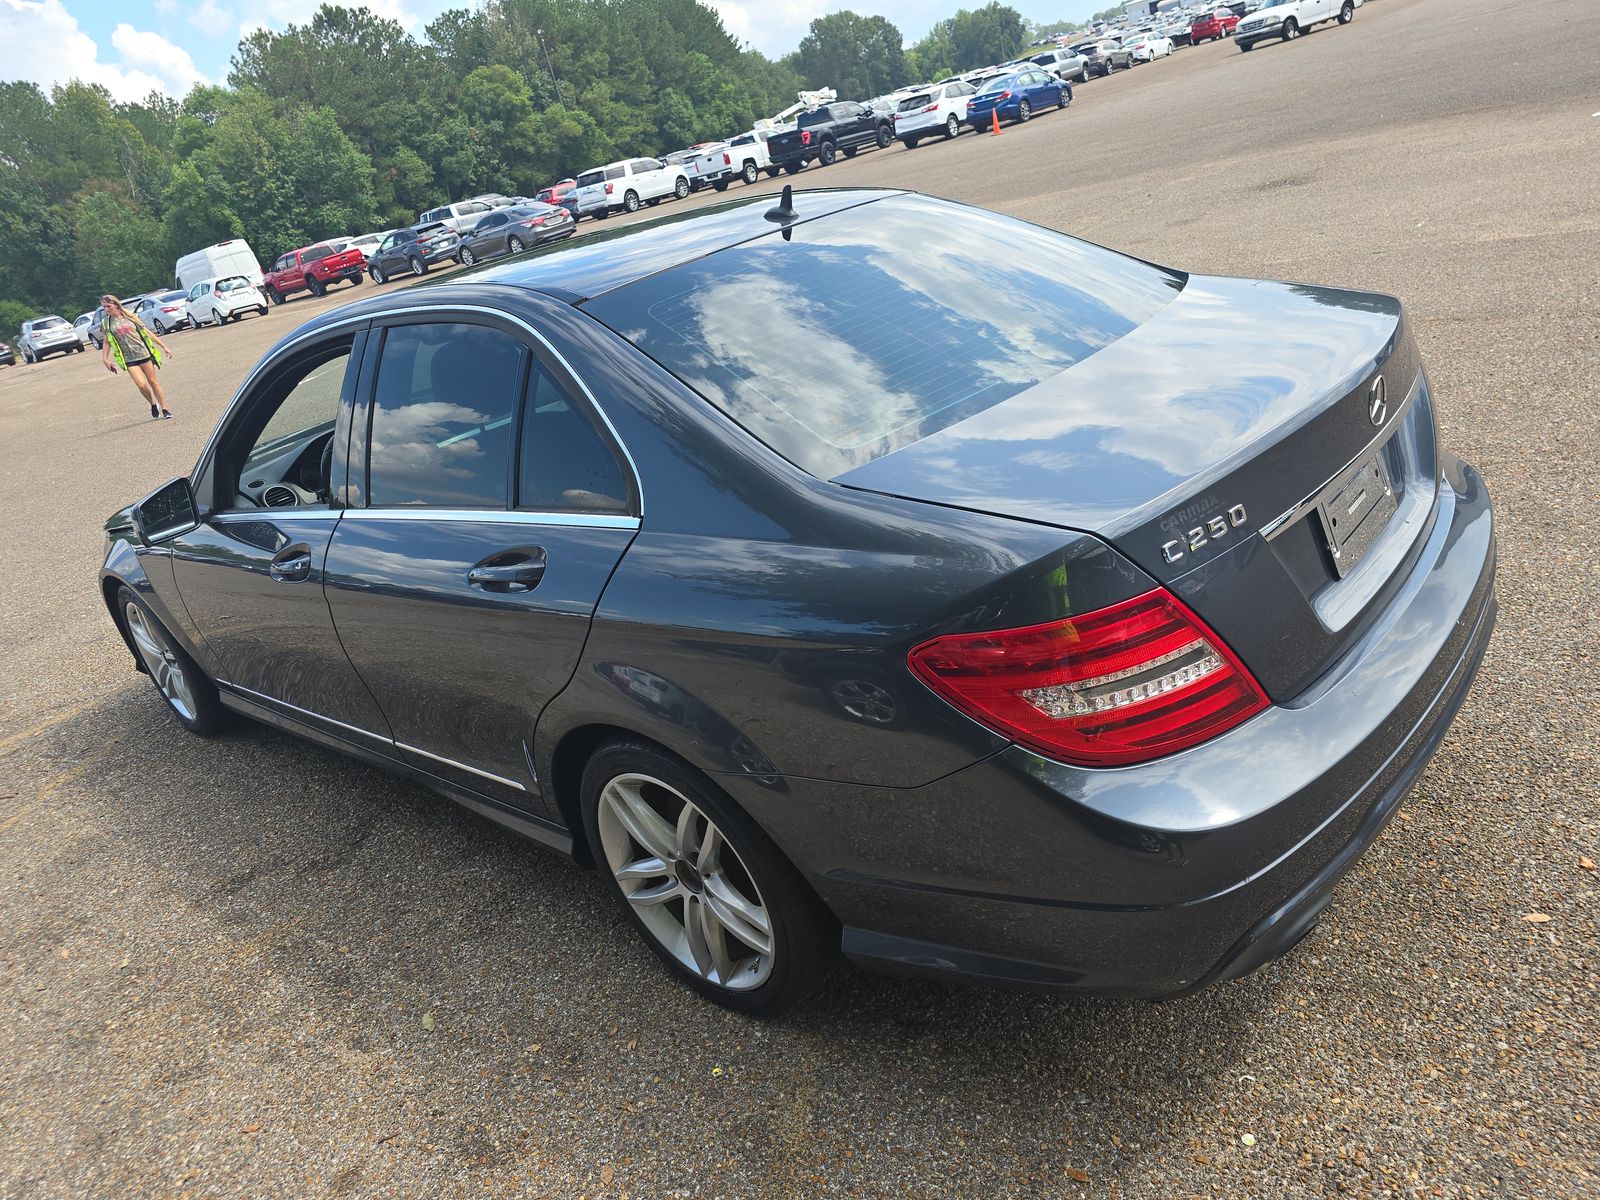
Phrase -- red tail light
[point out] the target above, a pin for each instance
(1002, 97)
(534, 221)
(1120, 685)
(805, 137)
(727, 160)
(608, 189)
(931, 108)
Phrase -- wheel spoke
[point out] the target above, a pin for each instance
(710, 856)
(685, 838)
(659, 894)
(706, 943)
(694, 932)
(641, 868)
(746, 921)
(142, 638)
(642, 822)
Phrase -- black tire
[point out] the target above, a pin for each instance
(656, 201)
(774, 172)
(1024, 112)
(1347, 12)
(1246, 46)
(826, 153)
(720, 185)
(514, 245)
(793, 168)
(275, 295)
(749, 173)
(681, 188)
(263, 309)
(850, 152)
(804, 934)
(1061, 97)
(418, 267)
(910, 143)
(631, 201)
(952, 127)
(316, 287)
(885, 136)
(377, 275)
(468, 257)
(208, 715)
(1291, 29)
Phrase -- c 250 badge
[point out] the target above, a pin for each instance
(1214, 529)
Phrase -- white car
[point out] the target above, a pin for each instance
(460, 217)
(47, 335)
(1148, 47)
(1288, 19)
(627, 186)
(366, 243)
(939, 111)
(81, 324)
(213, 301)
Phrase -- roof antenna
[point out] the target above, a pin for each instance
(783, 212)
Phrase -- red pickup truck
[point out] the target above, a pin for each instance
(312, 269)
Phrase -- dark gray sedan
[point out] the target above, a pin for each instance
(864, 574)
(413, 249)
(513, 230)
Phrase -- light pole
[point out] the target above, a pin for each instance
(539, 33)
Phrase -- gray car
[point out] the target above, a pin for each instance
(513, 230)
(860, 575)
(413, 249)
(43, 336)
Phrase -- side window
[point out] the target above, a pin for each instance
(287, 427)
(616, 172)
(492, 221)
(564, 464)
(442, 417)
(195, 291)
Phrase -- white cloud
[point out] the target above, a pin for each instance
(211, 18)
(47, 47)
(166, 7)
(143, 49)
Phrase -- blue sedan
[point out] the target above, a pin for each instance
(1016, 97)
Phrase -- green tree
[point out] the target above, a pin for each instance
(858, 56)
(991, 34)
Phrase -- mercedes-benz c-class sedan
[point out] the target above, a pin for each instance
(865, 574)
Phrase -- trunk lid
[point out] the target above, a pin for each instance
(1232, 448)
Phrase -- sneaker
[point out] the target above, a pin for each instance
(154, 412)
(165, 415)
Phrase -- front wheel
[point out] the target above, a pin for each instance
(709, 892)
(1246, 46)
(468, 257)
(1347, 12)
(178, 678)
(631, 201)
(1063, 98)
(681, 188)
(1024, 112)
(1291, 30)
(377, 275)
(952, 127)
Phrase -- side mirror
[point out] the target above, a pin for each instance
(166, 512)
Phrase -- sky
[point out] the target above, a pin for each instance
(136, 46)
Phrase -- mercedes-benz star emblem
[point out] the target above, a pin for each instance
(1378, 402)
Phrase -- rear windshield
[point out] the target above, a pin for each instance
(877, 327)
(49, 322)
(590, 178)
(817, 116)
(914, 102)
(316, 252)
(998, 84)
(233, 284)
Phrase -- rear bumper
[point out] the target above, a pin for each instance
(1157, 880)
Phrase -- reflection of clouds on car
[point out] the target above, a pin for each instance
(417, 439)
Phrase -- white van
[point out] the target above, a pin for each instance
(225, 258)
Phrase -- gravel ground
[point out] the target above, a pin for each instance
(252, 968)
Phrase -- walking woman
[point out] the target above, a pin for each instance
(137, 351)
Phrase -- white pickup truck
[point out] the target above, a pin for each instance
(719, 163)
(1288, 19)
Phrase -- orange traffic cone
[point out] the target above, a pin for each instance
(995, 113)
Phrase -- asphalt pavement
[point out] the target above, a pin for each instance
(248, 967)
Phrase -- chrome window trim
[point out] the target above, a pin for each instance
(461, 766)
(254, 695)
(409, 310)
(493, 516)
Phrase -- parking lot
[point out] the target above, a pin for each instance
(250, 967)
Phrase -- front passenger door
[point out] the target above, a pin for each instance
(464, 589)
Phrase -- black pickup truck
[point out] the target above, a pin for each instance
(821, 134)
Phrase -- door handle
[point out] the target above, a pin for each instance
(512, 571)
(291, 564)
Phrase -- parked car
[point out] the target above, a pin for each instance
(939, 111)
(43, 336)
(214, 301)
(460, 217)
(313, 269)
(1177, 28)
(555, 192)
(414, 249)
(366, 243)
(1288, 19)
(1149, 47)
(1063, 63)
(823, 133)
(1017, 97)
(81, 323)
(750, 155)
(97, 333)
(753, 630)
(705, 164)
(163, 312)
(513, 230)
(1209, 27)
(628, 186)
(8, 356)
(1104, 56)
(232, 257)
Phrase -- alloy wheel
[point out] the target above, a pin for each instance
(514, 245)
(165, 668)
(468, 258)
(687, 885)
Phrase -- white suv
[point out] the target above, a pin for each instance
(1288, 19)
(47, 335)
(461, 217)
(213, 301)
(938, 110)
(625, 186)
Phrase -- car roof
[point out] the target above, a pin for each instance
(583, 269)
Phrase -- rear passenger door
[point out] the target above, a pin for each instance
(491, 509)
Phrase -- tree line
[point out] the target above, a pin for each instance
(348, 124)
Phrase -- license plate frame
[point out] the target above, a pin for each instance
(1356, 508)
